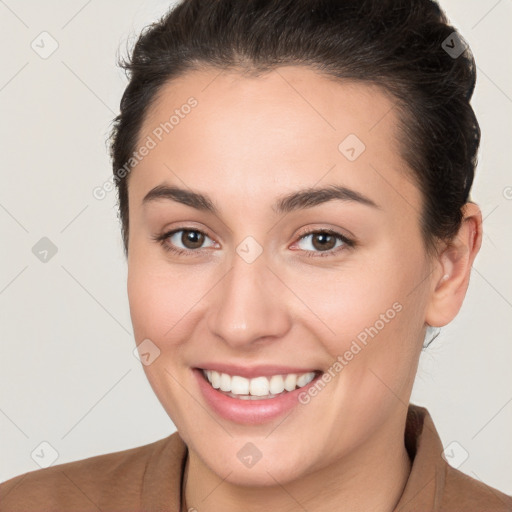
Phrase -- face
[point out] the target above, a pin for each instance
(234, 269)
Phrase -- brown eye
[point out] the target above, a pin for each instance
(323, 241)
(192, 239)
(185, 241)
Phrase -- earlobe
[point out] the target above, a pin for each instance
(450, 281)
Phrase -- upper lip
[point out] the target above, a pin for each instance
(261, 370)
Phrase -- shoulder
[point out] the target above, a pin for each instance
(113, 479)
(436, 485)
(464, 493)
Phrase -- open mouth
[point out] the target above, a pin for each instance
(258, 388)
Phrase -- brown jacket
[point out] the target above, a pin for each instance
(148, 478)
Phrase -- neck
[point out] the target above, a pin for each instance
(371, 478)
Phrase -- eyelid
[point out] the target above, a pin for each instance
(349, 238)
(348, 243)
(162, 239)
(319, 228)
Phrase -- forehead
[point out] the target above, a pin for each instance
(287, 101)
(287, 128)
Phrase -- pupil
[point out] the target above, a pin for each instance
(325, 241)
(192, 239)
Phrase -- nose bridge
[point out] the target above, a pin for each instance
(245, 310)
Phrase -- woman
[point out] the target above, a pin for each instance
(294, 180)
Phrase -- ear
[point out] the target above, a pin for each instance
(453, 269)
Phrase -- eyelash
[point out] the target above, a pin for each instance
(347, 243)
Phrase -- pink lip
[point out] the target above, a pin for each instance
(254, 371)
(250, 412)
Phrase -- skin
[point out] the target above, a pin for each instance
(248, 142)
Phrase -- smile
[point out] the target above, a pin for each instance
(258, 388)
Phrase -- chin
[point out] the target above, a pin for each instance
(241, 463)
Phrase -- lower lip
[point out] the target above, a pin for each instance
(249, 411)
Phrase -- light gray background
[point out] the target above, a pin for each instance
(68, 374)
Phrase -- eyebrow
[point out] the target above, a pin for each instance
(305, 198)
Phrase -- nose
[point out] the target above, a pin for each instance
(249, 306)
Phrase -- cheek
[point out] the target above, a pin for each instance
(147, 305)
(163, 300)
(352, 302)
(161, 312)
(369, 316)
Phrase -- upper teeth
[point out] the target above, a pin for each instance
(259, 386)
